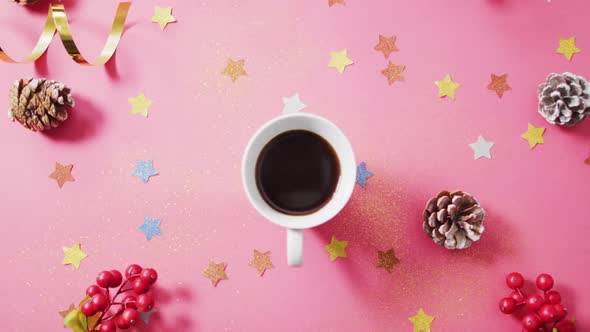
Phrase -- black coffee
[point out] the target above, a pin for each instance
(297, 172)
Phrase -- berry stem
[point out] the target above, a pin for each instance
(108, 292)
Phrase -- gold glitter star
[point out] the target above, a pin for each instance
(393, 72)
(234, 69)
(64, 313)
(421, 321)
(568, 48)
(339, 60)
(62, 174)
(387, 259)
(534, 135)
(336, 248)
(447, 87)
(163, 16)
(261, 261)
(499, 84)
(333, 2)
(73, 255)
(140, 104)
(386, 45)
(215, 272)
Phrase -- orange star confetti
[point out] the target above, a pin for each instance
(333, 2)
(386, 45)
(64, 313)
(587, 161)
(215, 272)
(234, 69)
(62, 174)
(387, 259)
(499, 84)
(261, 261)
(393, 72)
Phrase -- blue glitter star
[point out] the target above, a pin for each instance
(150, 227)
(362, 174)
(145, 316)
(144, 170)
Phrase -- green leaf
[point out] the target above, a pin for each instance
(554, 330)
(72, 321)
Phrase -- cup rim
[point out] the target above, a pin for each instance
(343, 190)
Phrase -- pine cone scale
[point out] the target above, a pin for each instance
(564, 99)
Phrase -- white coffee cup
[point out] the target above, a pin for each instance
(295, 224)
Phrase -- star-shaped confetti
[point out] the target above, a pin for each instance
(447, 87)
(333, 2)
(393, 72)
(534, 135)
(64, 313)
(163, 16)
(362, 174)
(293, 104)
(261, 261)
(140, 104)
(481, 148)
(144, 170)
(386, 45)
(73, 255)
(215, 272)
(387, 259)
(62, 174)
(150, 227)
(499, 84)
(568, 48)
(339, 60)
(145, 316)
(421, 321)
(234, 69)
(336, 248)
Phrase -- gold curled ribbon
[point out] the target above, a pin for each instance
(57, 20)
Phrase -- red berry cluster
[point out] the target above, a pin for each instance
(122, 313)
(547, 311)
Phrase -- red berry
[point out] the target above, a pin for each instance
(92, 290)
(88, 309)
(552, 297)
(531, 322)
(130, 315)
(547, 313)
(566, 326)
(104, 278)
(516, 296)
(129, 302)
(140, 287)
(560, 312)
(514, 280)
(99, 302)
(534, 302)
(117, 278)
(132, 269)
(507, 305)
(122, 323)
(107, 326)
(544, 282)
(145, 302)
(149, 276)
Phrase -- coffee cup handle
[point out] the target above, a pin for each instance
(294, 247)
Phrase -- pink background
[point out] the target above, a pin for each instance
(414, 142)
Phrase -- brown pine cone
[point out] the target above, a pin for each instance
(39, 104)
(25, 2)
(454, 219)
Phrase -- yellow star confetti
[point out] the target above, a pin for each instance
(64, 313)
(336, 248)
(534, 135)
(261, 261)
(447, 87)
(215, 272)
(234, 69)
(387, 259)
(62, 174)
(499, 84)
(421, 321)
(386, 45)
(333, 2)
(340, 60)
(140, 104)
(568, 48)
(73, 255)
(393, 72)
(163, 16)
